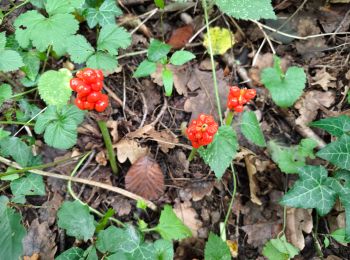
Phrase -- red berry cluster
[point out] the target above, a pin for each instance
(238, 97)
(88, 84)
(202, 130)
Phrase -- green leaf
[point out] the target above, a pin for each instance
(336, 126)
(339, 235)
(60, 125)
(181, 57)
(220, 153)
(104, 15)
(222, 39)
(62, 6)
(251, 130)
(103, 61)
(109, 240)
(160, 3)
(326, 242)
(31, 184)
(5, 93)
(337, 152)
(4, 134)
(285, 89)
(76, 219)
(279, 249)
(157, 50)
(54, 87)
(113, 37)
(27, 111)
(12, 233)
(168, 81)
(117, 256)
(90, 253)
(79, 48)
(2, 41)
(73, 253)
(216, 249)
(103, 222)
(145, 68)
(10, 60)
(170, 227)
(164, 249)
(344, 195)
(31, 64)
(38, 3)
(311, 190)
(17, 149)
(247, 9)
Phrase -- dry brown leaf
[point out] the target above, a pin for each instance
(101, 158)
(253, 182)
(259, 234)
(324, 79)
(233, 246)
(35, 256)
(145, 178)
(206, 65)
(188, 216)
(121, 206)
(151, 92)
(298, 221)
(199, 190)
(180, 37)
(133, 21)
(129, 149)
(39, 240)
(113, 125)
(48, 211)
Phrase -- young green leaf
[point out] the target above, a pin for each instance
(339, 235)
(103, 15)
(222, 39)
(113, 37)
(326, 242)
(103, 222)
(181, 57)
(285, 89)
(73, 253)
(279, 249)
(31, 64)
(103, 61)
(54, 87)
(216, 249)
(164, 249)
(311, 190)
(160, 3)
(336, 126)
(79, 48)
(157, 50)
(145, 68)
(76, 219)
(10, 60)
(29, 185)
(4, 134)
(17, 149)
(224, 146)
(168, 81)
(251, 130)
(337, 152)
(247, 9)
(170, 227)
(5, 93)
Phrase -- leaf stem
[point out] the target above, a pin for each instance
(15, 7)
(23, 93)
(15, 123)
(229, 118)
(108, 143)
(192, 154)
(46, 58)
(132, 54)
(315, 236)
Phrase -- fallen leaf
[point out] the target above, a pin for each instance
(206, 65)
(48, 211)
(324, 79)
(200, 189)
(253, 182)
(145, 178)
(133, 21)
(188, 216)
(121, 206)
(113, 125)
(39, 240)
(129, 149)
(259, 234)
(233, 246)
(180, 37)
(151, 93)
(35, 256)
(101, 158)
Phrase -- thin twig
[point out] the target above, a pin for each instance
(162, 111)
(153, 12)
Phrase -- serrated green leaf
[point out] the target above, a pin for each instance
(79, 48)
(337, 152)
(27, 111)
(251, 129)
(73, 253)
(76, 219)
(168, 81)
(62, 6)
(279, 249)
(216, 249)
(103, 61)
(181, 57)
(145, 68)
(336, 126)
(54, 87)
(157, 50)
(29, 185)
(38, 3)
(221, 40)
(170, 227)
(164, 249)
(104, 15)
(5, 93)
(311, 190)
(17, 149)
(113, 37)
(2, 41)
(12, 233)
(224, 146)
(31, 64)
(339, 235)
(10, 60)
(247, 9)
(285, 89)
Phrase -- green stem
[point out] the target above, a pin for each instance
(229, 118)
(109, 146)
(15, 7)
(23, 93)
(204, 3)
(46, 58)
(314, 234)
(15, 123)
(192, 154)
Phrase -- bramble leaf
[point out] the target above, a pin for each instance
(181, 57)
(216, 249)
(251, 130)
(336, 126)
(103, 61)
(103, 15)
(224, 146)
(5, 93)
(31, 184)
(279, 249)
(157, 50)
(168, 81)
(145, 68)
(79, 48)
(73, 253)
(113, 37)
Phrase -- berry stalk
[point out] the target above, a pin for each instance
(229, 118)
(192, 154)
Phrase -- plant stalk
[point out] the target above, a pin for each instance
(192, 154)
(229, 118)
(15, 123)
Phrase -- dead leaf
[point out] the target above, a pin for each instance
(145, 178)
(129, 149)
(188, 216)
(259, 234)
(180, 37)
(113, 125)
(206, 64)
(298, 221)
(48, 211)
(253, 182)
(133, 21)
(121, 206)
(324, 79)
(151, 93)
(35, 256)
(233, 246)
(200, 189)
(101, 158)
(39, 240)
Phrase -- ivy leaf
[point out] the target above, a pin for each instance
(221, 40)
(5, 93)
(104, 15)
(31, 184)
(113, 37)
(164, 249)
(54, 87)
(170, 227)
(60, 125)
(224, 146)
(181, 57)
(279, 249)
(311, 190)
(251, 130)
(12, 233)
(76, 219)
(110, 240)
(103, 61)
(79, 48)
(73, 253)
(337, 152)
(90, 253)
(62, 6)
(145, 68)
(168, 81)
(157, 50)
(216, 249)
(31, 64)
(285, 88)
(336, 126)
(17, 149)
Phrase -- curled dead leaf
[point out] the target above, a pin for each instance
(324, 79)
(188, 215)
(145, 178)
(253, 182)
(101, 158)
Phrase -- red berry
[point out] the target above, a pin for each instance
(89, 105)
(79, 103)
(79, 74)
(83, 90)
(93, 97)
(101, 105)
(89, 75)
(235, 91)
(75, 82)
(99, 75)
(104, 97)
(238, 108)
(202, 130)
(97, 86)
(250, 94)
